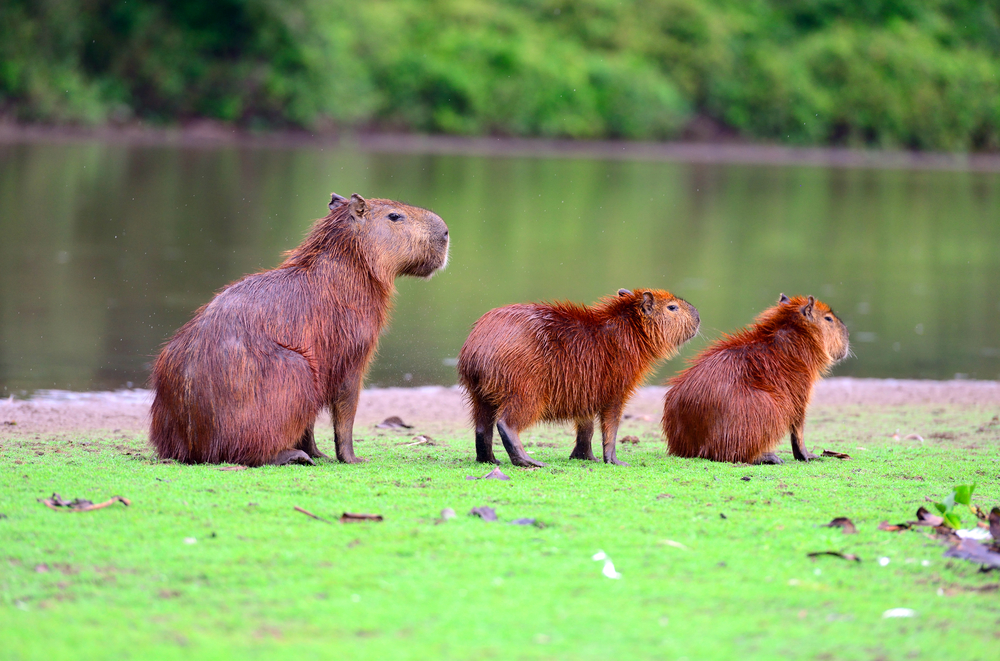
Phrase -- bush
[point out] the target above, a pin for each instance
(898, 73)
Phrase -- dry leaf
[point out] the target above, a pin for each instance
(58, 503)
(351, 517)
(484, 513)
(838, 455)
(969, 549)
(836, 554)
(393, 422)
(844, 524)
(495, 474)
(995, 524)
(890, 527)
(925, 518)
(634, 440)
(232, 468)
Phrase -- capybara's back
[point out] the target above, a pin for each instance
(743, 393)
(243, 381)
(530, 362)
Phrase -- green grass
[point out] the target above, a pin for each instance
(264, 581)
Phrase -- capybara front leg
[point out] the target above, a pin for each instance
(512, 443)
(798, 447)
(584, 438)
(308, 445)
(609, 435)
(768, 458)
(342, 410)
(286, 457)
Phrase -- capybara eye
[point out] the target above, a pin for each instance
(828, 318)
(394, 216)
(672, 307)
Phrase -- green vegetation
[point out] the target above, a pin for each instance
(901, 73)
(208, 563)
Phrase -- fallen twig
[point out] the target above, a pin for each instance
(308, 513)
(59, 504)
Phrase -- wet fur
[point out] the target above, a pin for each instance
(742, 394)
(525, 363)
(244, 380)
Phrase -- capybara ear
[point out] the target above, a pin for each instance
(647, 303)
(807, 309)
(783, 299)
(624, 292)
(336, 201)
(359, 206)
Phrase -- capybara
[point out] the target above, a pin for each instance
(243, 381)
(742, 394)
(530, 362)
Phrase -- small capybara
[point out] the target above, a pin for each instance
(243, 381)
(530, 362)
(741, 395)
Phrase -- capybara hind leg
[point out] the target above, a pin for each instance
(485, 417)
(286, 457)
(768, 458)
(308, 445)
(584, 437)
(512, 443)
(798, 447)
(342, 410)
(609, 434)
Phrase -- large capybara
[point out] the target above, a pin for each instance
(243, 381)
(741, 395)
(531, 362)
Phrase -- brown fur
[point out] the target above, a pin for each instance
(531, 362)
(741, 395)
(243, 381)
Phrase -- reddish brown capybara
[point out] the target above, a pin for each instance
(741, 395)
(530, 362)
(243, 381)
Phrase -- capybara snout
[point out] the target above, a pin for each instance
(407, 240)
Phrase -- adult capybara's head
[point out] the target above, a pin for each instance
(665, 317)
(821, 322)
(399, 238)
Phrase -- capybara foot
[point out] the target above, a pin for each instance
(488, 460)
(351, 459)
(806, 456)
(526, 462)
(286, 457)
(768, 458)
(615, 461)
(585, 456)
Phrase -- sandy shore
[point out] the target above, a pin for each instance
(435, 409)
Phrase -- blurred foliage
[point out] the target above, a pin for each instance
(898, 73)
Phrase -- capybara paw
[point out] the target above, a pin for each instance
(768, 458)
(527, 462)
(488, 460)
(286, 457)
(616, 462)
(583, 457)
(352, 459)
(808, 456)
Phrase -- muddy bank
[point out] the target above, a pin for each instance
(436, 409)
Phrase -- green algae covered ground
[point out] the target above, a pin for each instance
(713, 563)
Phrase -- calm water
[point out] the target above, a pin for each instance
(107, 249)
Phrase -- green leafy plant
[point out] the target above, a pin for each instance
(960, 495)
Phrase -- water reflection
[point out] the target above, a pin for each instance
(107, 249)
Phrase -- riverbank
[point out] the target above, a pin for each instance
(212, 135)
(438, 409)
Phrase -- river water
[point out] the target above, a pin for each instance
(105, 249)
